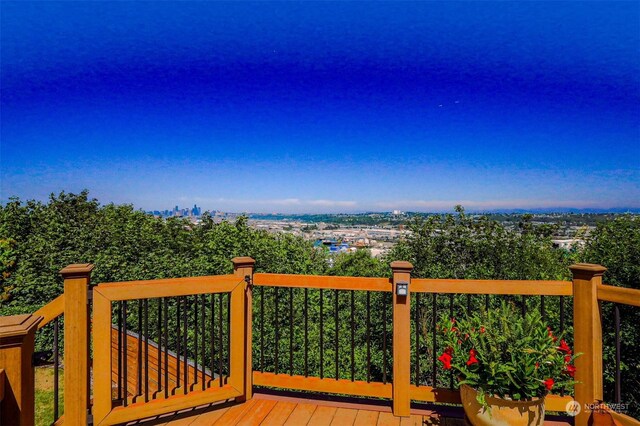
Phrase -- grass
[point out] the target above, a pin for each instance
(44, 395)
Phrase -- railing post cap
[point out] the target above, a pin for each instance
(18, 325)
(401, 265)
(243, 261)
(589, 269)
(77, 270)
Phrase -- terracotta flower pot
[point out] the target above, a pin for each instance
(503, 411)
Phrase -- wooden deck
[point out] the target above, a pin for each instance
(277, 409)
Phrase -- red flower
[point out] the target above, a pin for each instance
(537, 365)
(551, 334)
(472, 357)
(446, 358)
(454, 329)
(482, 329)
(567, 358)
(564, 347)
(548, 383)
(571, 370)
(466, 336)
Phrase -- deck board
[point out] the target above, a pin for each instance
(209, 417)
(344, 417)
(414, 420)
(280, 413)
(277, 410)
(301, 414)
(235, 413)
(388, 419)
(258, 413)
(366, 418)
(322, 416)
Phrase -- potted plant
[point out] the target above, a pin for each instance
(506, 364)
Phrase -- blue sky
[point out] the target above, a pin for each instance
(323, 107)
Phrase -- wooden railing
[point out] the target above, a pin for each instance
(398, 348)
(141, 405)
(401, 389)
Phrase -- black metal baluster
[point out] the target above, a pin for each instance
(276, 328)
(185, 345)
(450, 306)
(212, 337)
(618, 378)
(417, 329)
(321, 336)
(146, 350)
(166, 348)
(125, 388)
(368, 336)
(561, 314)
(336, 340)
(384, 337)
(228, 334)
(434, 343)
(486, 302)
(179, 340)
(542, 310)
(434, 315)
(306, 332)
(139, 387)
(159, 342)
(262, 329)
(204, 336)
(119, 321)
(468, 303)
(353, 326)
(524, 306)
(220, 338)
(196, 301)
(56, 370)
(291, 330)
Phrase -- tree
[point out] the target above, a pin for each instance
(615, 244)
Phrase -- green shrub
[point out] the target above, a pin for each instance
(502, 353)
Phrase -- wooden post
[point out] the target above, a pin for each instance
(243, 268)
(587, 331)
(17, 335)
(401, 340)
(76, 342)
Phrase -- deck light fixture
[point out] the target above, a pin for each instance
(402, 288)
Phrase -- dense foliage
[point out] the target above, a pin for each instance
(499, 353)
(38, 239)
(466, 247)
(616, 245)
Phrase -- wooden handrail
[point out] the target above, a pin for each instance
(323, 281)
(150, 289)
(50, 311)
(625, 296)
(502, 287)
(420, 285)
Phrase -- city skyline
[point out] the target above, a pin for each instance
(323, 108)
